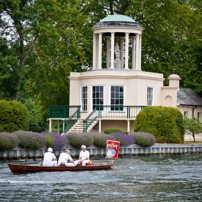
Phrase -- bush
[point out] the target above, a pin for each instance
(124, 139)
(100, 139)
(30, 140)
(144, 139)
(14, 116)
(8, 141)
(112, 130)
(57, 142)
(165, 123)
(77, 140)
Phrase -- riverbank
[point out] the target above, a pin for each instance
(133, 149)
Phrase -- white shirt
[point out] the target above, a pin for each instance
(64, 157)
(84, 155)
(48, 158)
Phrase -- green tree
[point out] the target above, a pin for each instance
(14, 116)
(30, 26)
(55, 55)
(36, 122)
(165, 123)
(193, 126)
(171, 38)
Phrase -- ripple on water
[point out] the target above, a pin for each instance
(134, 178)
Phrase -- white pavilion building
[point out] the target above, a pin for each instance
(112, 93)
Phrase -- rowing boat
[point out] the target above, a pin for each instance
(20, 169)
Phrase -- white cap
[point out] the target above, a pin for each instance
(83, 146)
(50, 149)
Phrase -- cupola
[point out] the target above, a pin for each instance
(119, 30)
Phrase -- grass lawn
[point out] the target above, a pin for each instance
(191, 142)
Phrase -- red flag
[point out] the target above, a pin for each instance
(112, 149)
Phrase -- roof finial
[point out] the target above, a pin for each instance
(117, 8)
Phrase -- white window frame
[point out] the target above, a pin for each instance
(91, 95)
(152, 104)
(185, 113)
(111, 98)
(81, 99)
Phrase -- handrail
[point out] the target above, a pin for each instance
(117, 111)
(76, 114)
(62, 111)
(87, 122)
(90, 114)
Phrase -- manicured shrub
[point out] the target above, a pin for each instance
(125, 132)
(112, 130)
(124, 139)
(144, 139)
(57, 142)
(79, 139)
(8, 141)
(165, 123)
(100, 139)
(14, 116)
(30, 140)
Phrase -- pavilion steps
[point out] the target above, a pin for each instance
(78, 126)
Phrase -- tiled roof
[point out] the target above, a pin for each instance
(186, 96)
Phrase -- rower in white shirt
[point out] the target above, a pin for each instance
(49, 158)
(64, 157)
(84, 156)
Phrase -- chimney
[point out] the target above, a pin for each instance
(174, 79)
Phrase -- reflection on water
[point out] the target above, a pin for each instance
(134, 178)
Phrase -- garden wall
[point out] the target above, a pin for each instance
(131, 149)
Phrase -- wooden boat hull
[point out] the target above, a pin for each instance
(20, 169)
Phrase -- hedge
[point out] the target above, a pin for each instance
(124, 139)
(144, 139)
(165, 123)
(100, 139)
(79, 139)
(57, 142)
(8, 141)
(114, 130)
(30, 140)
(14, 116)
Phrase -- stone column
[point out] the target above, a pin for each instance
(122, 50)
(128, 126)
(126, 49)
(112, 50)
(140, 54)
(108, 52)
(50, 126)
(58, 126)
(100, 52)
(97, 50)
(133, 53)
(137, 50)
(94, 51)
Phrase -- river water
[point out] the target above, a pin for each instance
(134, 178)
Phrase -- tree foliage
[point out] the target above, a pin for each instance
(165, 123)
(193, 126)
(14, 116)
(42, 41)
(171, 38)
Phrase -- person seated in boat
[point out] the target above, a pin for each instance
(84, 156)
(49, 158)
(64, 157)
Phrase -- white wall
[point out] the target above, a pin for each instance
(135, 86)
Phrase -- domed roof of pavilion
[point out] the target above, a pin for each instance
(117, 20)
